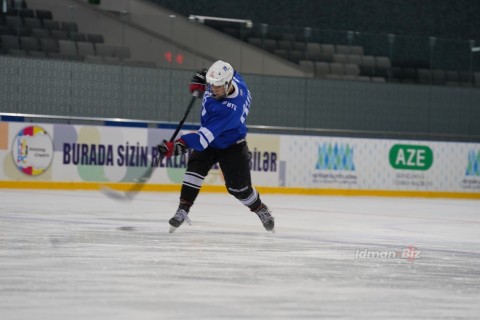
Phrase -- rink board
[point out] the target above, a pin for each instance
(61, 156)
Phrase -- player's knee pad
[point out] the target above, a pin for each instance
(247, 195)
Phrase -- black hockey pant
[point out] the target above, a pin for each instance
(234, 162)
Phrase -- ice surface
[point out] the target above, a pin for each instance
(80, 255)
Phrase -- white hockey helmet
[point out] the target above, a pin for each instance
(220, 74)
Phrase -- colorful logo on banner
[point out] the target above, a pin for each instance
(338, 157)
(411, 157)
(473, 166)
(32, 150)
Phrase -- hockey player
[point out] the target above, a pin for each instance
(221, 138)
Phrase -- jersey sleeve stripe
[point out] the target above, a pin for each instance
(203, 141)
(207, 134)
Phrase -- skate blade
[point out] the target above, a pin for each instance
(273, 230)
(172, 229)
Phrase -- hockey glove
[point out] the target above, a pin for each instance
(198, 82)
(172, 148)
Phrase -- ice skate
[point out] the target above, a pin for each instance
(264, 214)
(176, 221)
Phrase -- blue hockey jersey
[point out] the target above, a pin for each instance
(223, 122)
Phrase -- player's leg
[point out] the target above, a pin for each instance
(235, 164)
(198, 166)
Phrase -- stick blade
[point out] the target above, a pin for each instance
(116, 195)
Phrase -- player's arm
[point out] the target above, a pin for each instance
(201, 139)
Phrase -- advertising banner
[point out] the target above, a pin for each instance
(80, 153)
(380, 164)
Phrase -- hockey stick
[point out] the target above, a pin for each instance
(141, 181)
